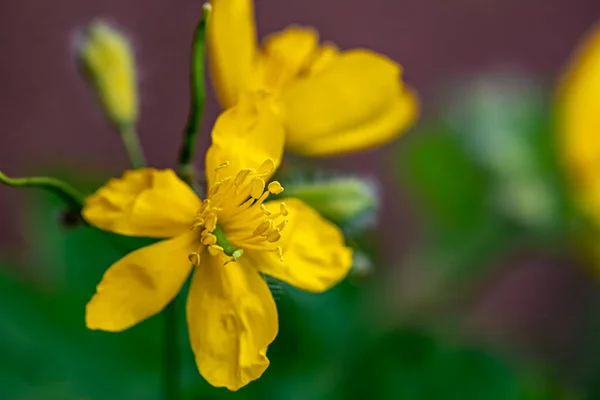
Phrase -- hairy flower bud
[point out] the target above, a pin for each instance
(106, 58)
(341, 199)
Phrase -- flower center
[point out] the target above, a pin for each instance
(234, 218)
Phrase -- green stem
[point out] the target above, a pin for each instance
(132, 145)
(66, 192)
(197, 100)
(171, 367)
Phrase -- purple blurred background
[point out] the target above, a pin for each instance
(49, 115)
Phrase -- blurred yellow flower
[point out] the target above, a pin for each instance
(231, 237)
(107, 59)
(578, 123)
(331, 102)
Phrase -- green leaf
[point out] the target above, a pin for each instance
(411, 364)
(504, 121)
(450, 188)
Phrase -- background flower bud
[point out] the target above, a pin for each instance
(106, 58)
(340, 199)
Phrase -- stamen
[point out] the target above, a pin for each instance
(214, 250)
(262, 198)
(220, 167)
(204, 206)
(242, 175)
(214, 189)
(275, 187)
(257, 188)
(211, 222)
(236, 203)
(208, 239)
(265, 226)
(198, 222)
(282, 225)
(265, 210)
(194, 258)
(242, 208)
(273, 236)
(267, 167)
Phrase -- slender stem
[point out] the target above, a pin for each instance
(132, 145)
(197, 99)
(171, 368)
(66, 192)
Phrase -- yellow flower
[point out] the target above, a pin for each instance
(107, 58)
(231, 237)
(579, 123)
(332, 102)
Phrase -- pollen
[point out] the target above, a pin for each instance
(234, 217)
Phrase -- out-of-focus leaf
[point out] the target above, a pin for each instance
(43, 326)
(46, 359)
(450, 189)
(503, 120)
(414, 365)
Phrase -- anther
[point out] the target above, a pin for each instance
(214, 189)
(211, 222)
(279, 253)
(273, 236)
(282, 225)
(257, 188)
(204, 206)
(265, 226)
(198, 222)
(265, 210)
(222, 165)
(267, 167)
(241, 176)
(275, 187)
(208, 239)
(215, 250)
(283, 209)
(194, 258)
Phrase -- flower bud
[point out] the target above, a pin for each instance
(341, 200)
(106, 58)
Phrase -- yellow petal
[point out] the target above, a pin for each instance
(358, 101)
(287, 54)
(244, 136)
(315, 257)
(232, 47)
(141, 284)
(327, 53)
(390, 123)
(145, 202)
(579, 109)
(232, 319)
